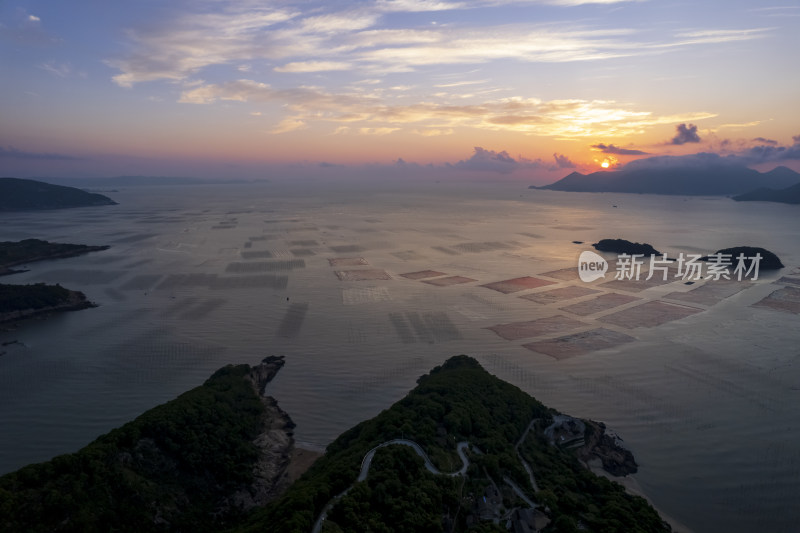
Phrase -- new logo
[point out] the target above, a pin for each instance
(591, 266)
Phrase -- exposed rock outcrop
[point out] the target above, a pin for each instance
(604, 444)
(275, 442)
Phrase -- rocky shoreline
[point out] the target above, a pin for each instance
(275, 442)
(57, 251)
(75, 302)
(608, 447)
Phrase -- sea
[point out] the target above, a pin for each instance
(201, 276)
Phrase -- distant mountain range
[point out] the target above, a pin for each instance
(22, 195)
(135, 181)
(696, 174)
(789, 195)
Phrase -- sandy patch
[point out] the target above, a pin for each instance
(632, 487)
(300, 460)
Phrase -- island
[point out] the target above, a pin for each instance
(30, 250)
(18, 194)
(769, 261)
(789, 195)
(462, 451)
(622, 246)
(19, 302)
(695, 174)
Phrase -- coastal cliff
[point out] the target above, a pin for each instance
(196, 463)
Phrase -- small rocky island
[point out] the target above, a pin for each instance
(29, 250)
(18, 302)
(769, 261)
(18, 194)
(621, 246)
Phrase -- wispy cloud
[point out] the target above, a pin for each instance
(412, 6)
(716, 36)
(358, 39)
(560, 118)
(181, 48)
(313, 66)
(616, 150)
(61, 70)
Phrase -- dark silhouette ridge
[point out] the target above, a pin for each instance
(28, 195)
(705, 174)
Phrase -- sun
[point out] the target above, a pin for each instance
(604, 164)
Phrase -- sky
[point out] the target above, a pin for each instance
(522, 89)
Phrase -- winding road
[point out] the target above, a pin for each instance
(366, 463)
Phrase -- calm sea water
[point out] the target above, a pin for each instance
(198, 277)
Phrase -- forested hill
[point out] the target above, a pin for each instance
(492, 454)
(459, 402)
(23, 195)
(196, 463)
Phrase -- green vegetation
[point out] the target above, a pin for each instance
(177, 467)
(30, 250)
(171, 469)
(38, 296)
(21, 194)
(19, 301)
(458, 401)
(574, 494)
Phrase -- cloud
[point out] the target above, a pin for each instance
(411, 6)
(564, 119)
(62, 70)
(174, 50)
(686, 134)
(26, 29)
(611, 149)
(339, 34)
(771, 152)
(765, 153)
(313, 66)
(563, 161)
(483, 160)
(13, 153)
(488, 161)
(762, 140)
(698, 160)
(719, 36)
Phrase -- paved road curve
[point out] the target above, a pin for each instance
(460, 449)
(367, 462)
